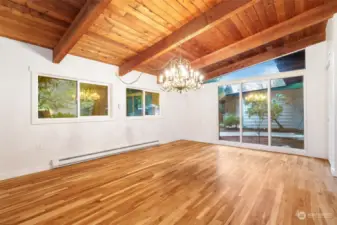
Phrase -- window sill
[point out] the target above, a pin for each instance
(72, 120)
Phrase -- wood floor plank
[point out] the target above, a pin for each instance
(182, 182)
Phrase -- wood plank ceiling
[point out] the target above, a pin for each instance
(121, 32)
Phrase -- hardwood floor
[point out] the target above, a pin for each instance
(178, 183)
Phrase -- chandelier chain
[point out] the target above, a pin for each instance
(129, 83)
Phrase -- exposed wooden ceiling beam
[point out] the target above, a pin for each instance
(198, 25)
(295, 24)
(268, 55)
(85, 18)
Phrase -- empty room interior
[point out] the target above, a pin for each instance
(168, 112)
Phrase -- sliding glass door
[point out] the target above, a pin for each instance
(287, 112)
(266, 112)
(229, 112)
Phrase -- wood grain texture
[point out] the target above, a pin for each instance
(259, 17)
(267, 55)
(22, 21)
(85, 18)
(233, 62)
(138, 24)
(177, 183)
(129, 27)
(295, 24)
(196, 26)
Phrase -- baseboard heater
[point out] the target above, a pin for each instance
(56, 163)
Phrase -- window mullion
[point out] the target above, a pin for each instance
(269, 112)
(78, 99)
(241, 113)
(143, 103)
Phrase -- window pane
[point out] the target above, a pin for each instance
(94, 100)
(134, 106)
(152, 106)
(294, 61)
(255, 112)
(229, 112)
(57, 98)
(287, 112)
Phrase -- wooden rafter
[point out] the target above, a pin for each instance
(198, 25)
(295, 24)
(85, 18)
(270, 54)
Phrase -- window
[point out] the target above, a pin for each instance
(265, 112)
(60, 98)
(94, 100)
(152, 104)
(287, 113)
(229, 112)
(57, 98)
(134, 102)
(291, 62)
(142, 103)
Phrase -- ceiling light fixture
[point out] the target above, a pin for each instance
(180, 77)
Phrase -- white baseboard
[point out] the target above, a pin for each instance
(31, 170)
(56, 163)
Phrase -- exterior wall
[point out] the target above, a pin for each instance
(291, 117)
(27, 148)
(202, 124)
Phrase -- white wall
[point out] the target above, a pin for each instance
(317, 100)
(202, 107)
(27, 148)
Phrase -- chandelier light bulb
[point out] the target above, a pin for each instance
(161, 79)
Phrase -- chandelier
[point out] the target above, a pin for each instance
(180, 77)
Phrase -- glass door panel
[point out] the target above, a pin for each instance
(287, 112)
(229, 112)
(255, 112)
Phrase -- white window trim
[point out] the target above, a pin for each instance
(144, 90)
(79, 119)
(268, 147)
